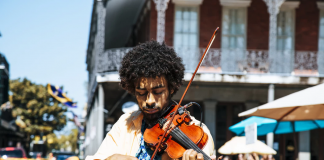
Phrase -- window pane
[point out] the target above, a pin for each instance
(280, 24)
(177, 39)
(225, 42)
(178, 25)
(193, 40)
(321, 44)
(240, 42)
(233, 21)
(186, 27)
(234, 26)
(185, 40)
(322, 24)
(193, 14)
(232, 42)
(178, 14)
(288, 25)
(241, 22)
(186, 14)
(285, 30)
(288, 43)
(280, 43)
(193, 26)
(226, 23)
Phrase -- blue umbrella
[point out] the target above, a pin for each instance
(267, 125)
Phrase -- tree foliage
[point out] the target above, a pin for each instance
(34, 106)
(68, 143)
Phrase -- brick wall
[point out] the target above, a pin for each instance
(153, 21)
(169, 24)
(307, 26)
(210, 18)
(258, 25)
(306, 30)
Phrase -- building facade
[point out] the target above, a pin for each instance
(266, 49)
(10, 134)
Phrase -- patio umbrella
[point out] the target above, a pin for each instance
(267, 125)
(307, 104)
(237, 145)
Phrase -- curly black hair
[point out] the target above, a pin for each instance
(151, 59)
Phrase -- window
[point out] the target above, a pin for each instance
(285, 30)
(321, 35)
(233, 38)
(234, 28)
(186, 27)
(283, 59)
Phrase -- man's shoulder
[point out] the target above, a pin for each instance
(130, 120)
(130, 116)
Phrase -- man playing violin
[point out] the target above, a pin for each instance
(153, 73)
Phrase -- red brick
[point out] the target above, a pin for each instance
(169, 24)
(210, 18)
(258, 25)
(153, 21)
(307, 26)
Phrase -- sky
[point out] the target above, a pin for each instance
(46, 42)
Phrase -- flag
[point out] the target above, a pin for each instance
(57, 93)
(76, 122)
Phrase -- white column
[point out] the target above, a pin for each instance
(271, 93)
(273, 9)
(304, 145)
(100, 114)
(210, 116)
(161, 6)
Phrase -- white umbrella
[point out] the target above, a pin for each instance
(307, 104)
(237, 145)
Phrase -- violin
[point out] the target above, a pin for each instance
(173, 133)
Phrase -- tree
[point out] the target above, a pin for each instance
(68, 143)
(34, 106)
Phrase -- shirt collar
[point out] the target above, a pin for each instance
(136, 119)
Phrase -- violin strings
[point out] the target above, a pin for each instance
(186, 142)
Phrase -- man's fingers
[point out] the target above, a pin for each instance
(193, 155)
(200, 156)
(220, 157)
(186, 154)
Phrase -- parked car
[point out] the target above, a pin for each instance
(59, 155)
(12, 152)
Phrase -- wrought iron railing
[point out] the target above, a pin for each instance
(307, 63)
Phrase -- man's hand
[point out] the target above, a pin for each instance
(121, 157)
(191, 154)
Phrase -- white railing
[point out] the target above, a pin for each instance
(307, 63)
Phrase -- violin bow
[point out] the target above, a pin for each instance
(185, 92)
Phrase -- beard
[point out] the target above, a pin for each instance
(151, 119)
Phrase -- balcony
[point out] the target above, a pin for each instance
(233, 61)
